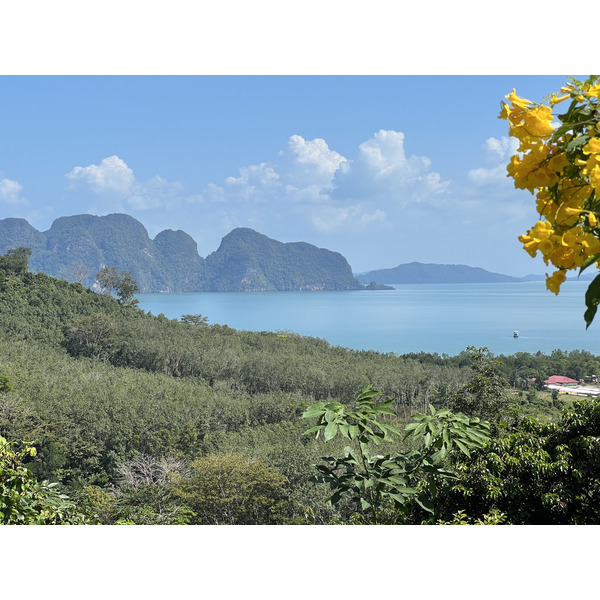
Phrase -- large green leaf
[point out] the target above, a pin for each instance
(592, 298)
(425, 503)
(463, 447)
(330, 431)
(314, 410)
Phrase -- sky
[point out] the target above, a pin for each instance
(385, 169)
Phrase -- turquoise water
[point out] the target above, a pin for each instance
(411, 318)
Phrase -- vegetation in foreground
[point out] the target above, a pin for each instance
(110, 415)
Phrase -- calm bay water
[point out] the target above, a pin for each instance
(411, 318)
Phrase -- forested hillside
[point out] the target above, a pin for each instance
(142, 419)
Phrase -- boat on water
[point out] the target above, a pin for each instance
(515, 333)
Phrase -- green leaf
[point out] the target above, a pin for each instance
(446, 435)
(425, 503)
(576, 143)
(365, 504)
(330, 416)
(314, 429)
(592, 298)
(330, 431)
(314, 410)
(588, 263)
(462, 446)
(396, 479)
(367, 393)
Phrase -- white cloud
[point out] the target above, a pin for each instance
(501, 149)
(486, 177)
(112, 186)
(253, 181)
(10, 192)
(309, 172)
(382, 172)
(308, 162)
(497, 153)
(111, 176)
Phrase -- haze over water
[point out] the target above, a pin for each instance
(441, 318)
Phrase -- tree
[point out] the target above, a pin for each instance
(230, 489)
(126, 288)
(79, 272)
(562, 167)
(15, 261)
(93, 336)
(108, 279)
(485, 395)
(198, 320)
(382, 487)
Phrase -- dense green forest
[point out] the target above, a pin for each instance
(111, 415)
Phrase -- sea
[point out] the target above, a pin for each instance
(435, 318)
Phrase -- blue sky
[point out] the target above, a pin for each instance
(384, 169)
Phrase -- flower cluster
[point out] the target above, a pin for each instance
(560, 164)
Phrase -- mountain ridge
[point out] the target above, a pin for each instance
(76, 247)
(416, 273)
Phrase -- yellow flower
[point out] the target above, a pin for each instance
(563, 257)
(554, 100)
(546, 206)
(554, 282)
(590, 244)
(592, 220)
(593, 91)
(518, 102)
(541, 230)
(558, 163)
(592, 147)
(595, 179)
(541, 177)
(505, 111)
(539, 234)
(537, 121)
(568, 212)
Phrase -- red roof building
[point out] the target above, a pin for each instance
(560, 380)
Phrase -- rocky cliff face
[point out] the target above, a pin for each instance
(77, 247)
(249, 261)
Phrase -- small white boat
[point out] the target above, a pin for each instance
(515, 333)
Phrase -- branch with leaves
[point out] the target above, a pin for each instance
(382, 485)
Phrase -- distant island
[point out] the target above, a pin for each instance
(416, 272)
(75, 248)
(377, 286)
